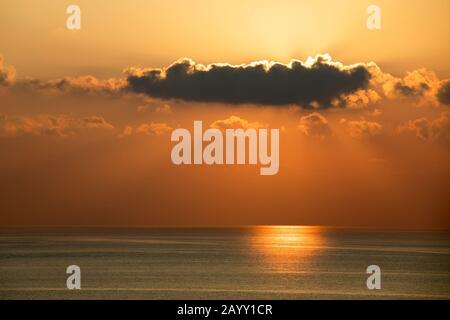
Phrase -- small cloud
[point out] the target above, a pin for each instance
(88, 85)
(314, 125)
(158, 109)
(362, 128)
(49, 125)
(434, 130)
(7, 73)
(127, 131)
(142, 108)
(95, 122)
(163, 109)
(375, 113)
(235, 122)
(359, 99)
(420, 127)
(421, 85)
(153, 128)
(150, 129)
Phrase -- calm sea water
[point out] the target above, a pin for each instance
(226, 263)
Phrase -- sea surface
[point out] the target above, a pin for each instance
(223, 263)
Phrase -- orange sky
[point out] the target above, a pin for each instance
(88, 151)
(155, 33)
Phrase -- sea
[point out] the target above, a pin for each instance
(249, 262)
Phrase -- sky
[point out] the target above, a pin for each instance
(86, 115)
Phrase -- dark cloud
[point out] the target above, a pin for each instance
(407, 90)
(444, 93)
(317, 82)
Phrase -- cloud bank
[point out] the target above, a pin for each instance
(318, 83)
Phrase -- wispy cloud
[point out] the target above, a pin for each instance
(48, 125)
(235, 122)
(150, 129)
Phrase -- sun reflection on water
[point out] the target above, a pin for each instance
(287, 249)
